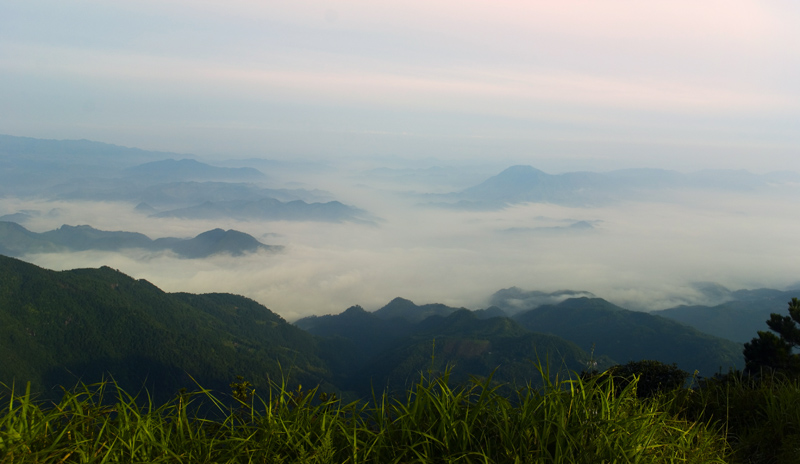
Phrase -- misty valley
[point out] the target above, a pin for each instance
(164, 272)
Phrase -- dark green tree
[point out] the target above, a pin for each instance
(776, 351)
(654, 377)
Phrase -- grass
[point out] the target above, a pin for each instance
(761, 415)
(566, 421)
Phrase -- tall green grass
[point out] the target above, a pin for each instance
(760, 415)
(566, 421)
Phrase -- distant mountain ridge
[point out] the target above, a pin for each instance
(79, 151)
(735, 315)
(29, 165)
(738, 319)
(514, 300)
(624, 335)
(174, 185)
(401, 308)
(524, 184)
(15, 240)
(189, 169)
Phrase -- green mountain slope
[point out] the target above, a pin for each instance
(60, 327)
(632, 335)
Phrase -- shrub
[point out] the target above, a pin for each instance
(650, 377)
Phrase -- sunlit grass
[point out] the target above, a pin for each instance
(566, 421)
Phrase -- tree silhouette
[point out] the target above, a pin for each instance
(776, 352)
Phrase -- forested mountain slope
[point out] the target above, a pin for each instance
(57, 328)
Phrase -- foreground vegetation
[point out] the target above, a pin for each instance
(577, 420)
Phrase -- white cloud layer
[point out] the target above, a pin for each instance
(641, 255)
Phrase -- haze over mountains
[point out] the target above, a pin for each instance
(362, 231)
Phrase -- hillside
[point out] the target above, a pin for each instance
(473, 347)
(57, 328)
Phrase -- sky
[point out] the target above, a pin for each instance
(564, 85)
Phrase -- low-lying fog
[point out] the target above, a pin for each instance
(640, 255)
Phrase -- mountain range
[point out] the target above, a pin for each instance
(60, 327)
(15, 240)
(592, 326)
(734, 315)
(173, 185)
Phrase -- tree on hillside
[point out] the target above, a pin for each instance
(776, 352)
(654, 377)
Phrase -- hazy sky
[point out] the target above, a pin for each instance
(568, 84)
